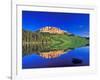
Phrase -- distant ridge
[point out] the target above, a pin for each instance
(52, 30)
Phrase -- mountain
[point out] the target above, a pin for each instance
(52, 30)
(51, 42)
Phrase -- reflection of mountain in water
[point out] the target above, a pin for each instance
(42, 50)
(50, 42)
(52, 54)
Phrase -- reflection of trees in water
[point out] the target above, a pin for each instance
(50, 45)
(32, 48)
(44, 50)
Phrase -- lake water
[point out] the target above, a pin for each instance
(68, 58)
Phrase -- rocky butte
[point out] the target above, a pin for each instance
(51, 29)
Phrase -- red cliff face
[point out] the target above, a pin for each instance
(50, 29)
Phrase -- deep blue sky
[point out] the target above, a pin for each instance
(76, 23)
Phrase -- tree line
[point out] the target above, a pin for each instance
(28, 36)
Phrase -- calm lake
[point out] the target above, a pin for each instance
(59, 58)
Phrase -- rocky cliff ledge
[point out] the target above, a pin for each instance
(51, 29)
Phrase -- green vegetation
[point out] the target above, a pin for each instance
(66, 41)
(43, 42)
(35, 37)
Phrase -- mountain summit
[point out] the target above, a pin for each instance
(51, 29)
